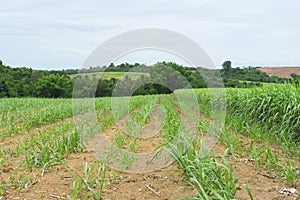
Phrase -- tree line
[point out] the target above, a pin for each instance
(26, 82)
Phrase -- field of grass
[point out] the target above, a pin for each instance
(44, 156)
(109, 75)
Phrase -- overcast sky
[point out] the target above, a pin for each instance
(60, 34)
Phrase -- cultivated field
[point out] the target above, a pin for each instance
(257, 154)
(109, 75)
(280, 71)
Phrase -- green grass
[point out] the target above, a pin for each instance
(268, 116)
(51, 146)
(212, 179)
(91, 184)
(139, 117)
(32, 113)
(109, 75)
(270, 113)
(274, 110)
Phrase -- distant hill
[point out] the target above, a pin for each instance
(280, 71)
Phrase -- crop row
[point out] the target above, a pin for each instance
(273, 112)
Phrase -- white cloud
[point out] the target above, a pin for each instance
(60, 34)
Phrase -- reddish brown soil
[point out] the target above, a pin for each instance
(166, 183)
(280, 71)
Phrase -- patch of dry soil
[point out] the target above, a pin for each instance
(280, 71)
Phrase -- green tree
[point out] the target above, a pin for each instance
(54, 86)
(227, 67)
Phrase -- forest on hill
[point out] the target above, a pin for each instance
(26, 82)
